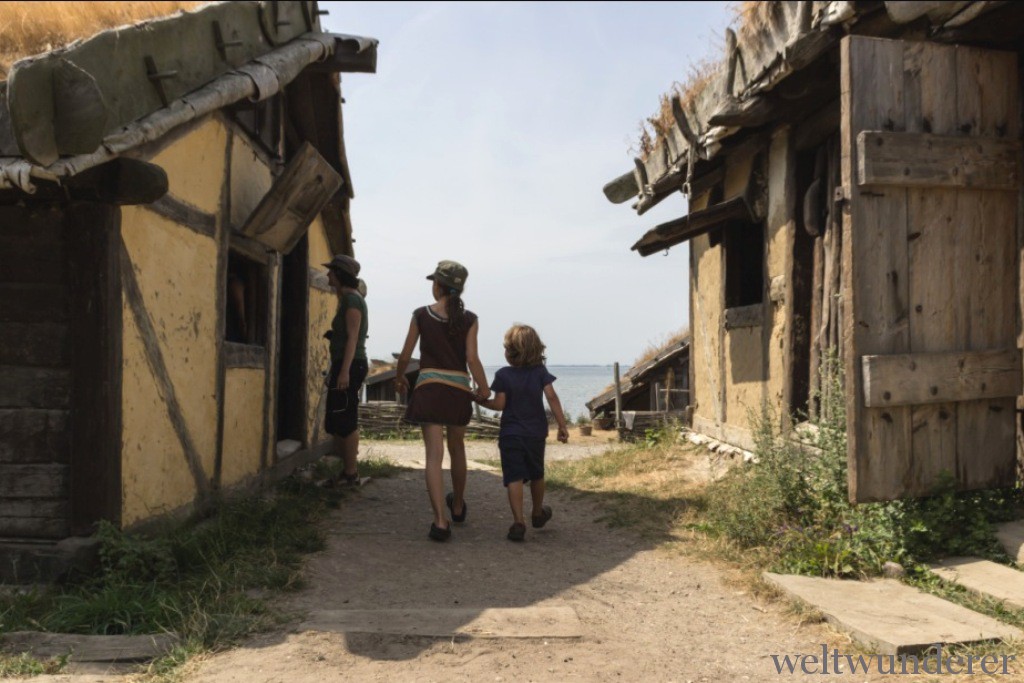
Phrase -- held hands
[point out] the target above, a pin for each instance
(401, 384)
(481, 395)
(563, 434)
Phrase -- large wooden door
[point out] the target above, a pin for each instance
(930, 147)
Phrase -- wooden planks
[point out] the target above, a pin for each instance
(927, 160)
(875, 315)
(89, 648)
(930, 265)
(918, 378)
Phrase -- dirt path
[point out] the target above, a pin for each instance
(645, 614)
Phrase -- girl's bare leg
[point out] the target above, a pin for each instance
(537, 493)
(457, 454)
(434, 441)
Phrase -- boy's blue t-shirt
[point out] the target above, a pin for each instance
(524, 400)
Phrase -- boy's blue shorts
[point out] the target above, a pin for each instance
(522, 458)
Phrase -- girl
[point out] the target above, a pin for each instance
(518, 393)
(443, 395)
(348, 363)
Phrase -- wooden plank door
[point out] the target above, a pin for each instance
(930, 172)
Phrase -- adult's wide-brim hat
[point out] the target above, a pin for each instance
(451, 274)
(345, 264)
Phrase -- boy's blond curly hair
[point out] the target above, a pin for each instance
(523, 347)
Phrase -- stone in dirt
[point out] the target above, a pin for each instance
(986, 578)
(889, 617)
(1011, 537)
(512, 622)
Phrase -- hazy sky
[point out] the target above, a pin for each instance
(486, 135)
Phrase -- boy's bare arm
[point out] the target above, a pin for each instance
(476, 368)
(496, 403)
(556, 410)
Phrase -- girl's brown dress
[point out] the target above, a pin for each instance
(439, 400)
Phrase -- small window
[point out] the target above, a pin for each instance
(246, 301)
(744, 264)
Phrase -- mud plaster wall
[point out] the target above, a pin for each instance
(705, 290)
(195, 166)
(176, 272)
(322, 306)
(243, 424)
(319, 248)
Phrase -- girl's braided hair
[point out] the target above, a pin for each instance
(456, 312)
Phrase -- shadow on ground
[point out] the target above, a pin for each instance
(378, 557)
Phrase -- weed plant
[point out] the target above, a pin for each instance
(202, 580)
(793, 505)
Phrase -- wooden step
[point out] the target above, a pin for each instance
(1011, 537)
(31, 435)
(984, 578)
(27, 302)
(891, 618)
(22, 387)
(35, 344)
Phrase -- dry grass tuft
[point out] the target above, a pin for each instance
(654, 349)
(30, 28)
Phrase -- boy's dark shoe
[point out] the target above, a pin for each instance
(439, 534)
(517, 532)
(450, 500)
(542, 519)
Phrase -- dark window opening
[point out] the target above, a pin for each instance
(744, 264)
(263, 122)
(246, 301)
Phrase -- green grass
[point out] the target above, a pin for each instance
(197, 580)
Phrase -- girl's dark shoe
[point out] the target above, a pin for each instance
(450, 500)
(439, 534)
(542, 519)
(517, 532)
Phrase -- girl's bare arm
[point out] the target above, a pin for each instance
(402, 384)
(476, 368)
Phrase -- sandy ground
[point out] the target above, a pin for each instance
(646, 613)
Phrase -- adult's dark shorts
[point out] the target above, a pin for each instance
(522, 458)
(343, 404)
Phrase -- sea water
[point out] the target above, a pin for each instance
(576, 384)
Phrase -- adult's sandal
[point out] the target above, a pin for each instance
(439, 534)
(450, 500)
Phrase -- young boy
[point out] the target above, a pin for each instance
(518, 393)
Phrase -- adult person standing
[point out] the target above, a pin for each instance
(348, 363)
(443, 396)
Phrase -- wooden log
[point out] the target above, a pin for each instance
(33, 481)
(34, 387)
(28, 436)
(929, 160)
(40, 344)
(26, 302)
(919, 378)
(618, 398)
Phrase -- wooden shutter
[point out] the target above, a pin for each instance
(930, 171)
(294, 200)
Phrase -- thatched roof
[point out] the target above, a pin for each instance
(30, 28)
(767, 43)
(643, 367)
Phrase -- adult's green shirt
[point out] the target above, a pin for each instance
(339, 333)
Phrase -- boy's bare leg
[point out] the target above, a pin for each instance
(434, 441)
(515, 501)
(457, 454)
(537, 493)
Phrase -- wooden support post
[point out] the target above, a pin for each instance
(618, 399)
